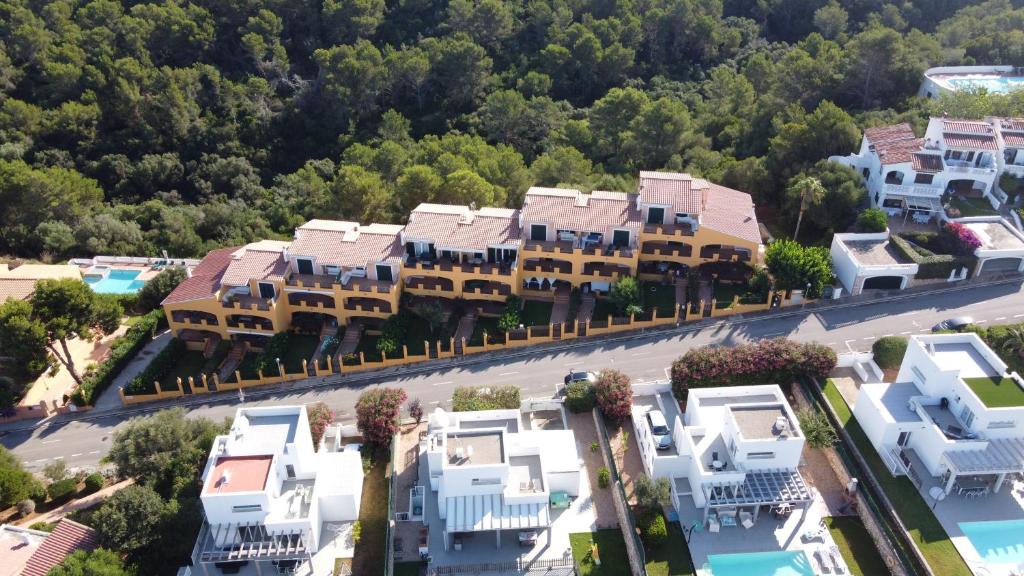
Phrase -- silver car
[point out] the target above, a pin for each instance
(659, 430)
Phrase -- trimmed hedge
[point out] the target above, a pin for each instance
(579, 396)
(145, 381)
(472, 398)
(93, 482)
(777, 361)
(121, 353)
(62, 489)
(889, 351)
(931, 265)
(653, 529)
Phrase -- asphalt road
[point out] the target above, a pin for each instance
(82, 441)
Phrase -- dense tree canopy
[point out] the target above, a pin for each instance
(137, 127)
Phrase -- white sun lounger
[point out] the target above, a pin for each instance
(837, 559)
(819, 557)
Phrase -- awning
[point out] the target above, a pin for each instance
(1001, 455)
(760, 487)
(486, 512)
(920, 203)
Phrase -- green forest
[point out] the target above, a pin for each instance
(134, 127)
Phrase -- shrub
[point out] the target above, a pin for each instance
(614, 395)
(604, 477)
(122, 352)
(159, 366)
(872, 220)
(579, 396)
(62, 489)
(93, 482)
(56, 471)
(416, 410)
(889, 351)
(778, 361)
(652, 494)
(929, 264)
(817, 429)
(377, 415)
(158, 287)
(275, 349)
(962, 240)
(511, 318)
(471, 398)
(654, 530)
(1012, 185)
(319, 416)
(26, 507)
(393, 333)
(760, 284)
(625, 295)
(357, 532)
(43, 526)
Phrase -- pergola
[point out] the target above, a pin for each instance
(487, 512)
(1000, 457)
(244, 542)
(759, 488)
(929, 204)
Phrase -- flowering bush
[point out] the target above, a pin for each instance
(614, 395)
(964, 240)
(777, 361)
(377, 415)
(319, 416)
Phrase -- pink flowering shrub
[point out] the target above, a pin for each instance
(964, 240)
(614, 395)
(778, 361)
(319, 416)
(377, 415)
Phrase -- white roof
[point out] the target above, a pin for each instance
(487, 512)
(1001, 455)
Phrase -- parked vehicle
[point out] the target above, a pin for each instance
(958, 323)
(580, 376)
(659, 430)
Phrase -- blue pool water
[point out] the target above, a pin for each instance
(761, 564)
(116, 282)
(1000, 84)
(997, 542)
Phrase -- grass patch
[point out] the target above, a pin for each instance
(368, 346)
(407, 568)
(247, 367)
(673, 557)
(656, 295)
(610, 547)
(971, 206)
(997, 392)
(603, 308)
(924, 528)
(300, 347)
(725, 293)
(490, 325)
(856, 546)
(536, 313)
(189, 363)
(373, 516)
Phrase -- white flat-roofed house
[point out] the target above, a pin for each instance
(492, 475)
(1002, 245)
(734, 447)
(267, 495)
(868, 261)
(952, 412)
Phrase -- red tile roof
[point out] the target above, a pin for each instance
(680, 191)
(889, 133)
(239, 474)
(1014, 124)
(1014, 140)
(16, 288)
(459, 227)
(573, 210)
(922, 162)
(966, 126)
(67, 537)
(898, 151)
(259, 260)
(346, 244)
(730, 212)
(970, 141)
(205, 280)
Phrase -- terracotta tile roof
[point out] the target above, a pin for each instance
(573, 210)
(680, 191)
(922, 162)
(16, 288)
(205, 280)
(1013, 124)
(1014, 140)
(459, 227)
(966, 126)
(889, 133)
(973, 141)
(730, 212)
(347, 244)
(67, 537)
(262, 260)
(898, 151)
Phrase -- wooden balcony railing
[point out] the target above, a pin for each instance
(669, 229)
(430, 283)
(249, 303)
(605, 270)
(548, 266)
(665, 249)
(368, 285)
(313, 281)
(368, 305)
(310, 300)
(480, 268)
(559, 247)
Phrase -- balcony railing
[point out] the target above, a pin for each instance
(669, 229)
(914, 190)
(197, 318)
(966, 167)
(488, 288)
(550, 247)
(243, 302)
(605, 270)
(664, 249)
(250, 324)
(548, 267)
(429, 283)
(368, 305)
(310, 300)
(313, 281)
(368, 285)
(1015, 169)
(479, 268)
(610, 251)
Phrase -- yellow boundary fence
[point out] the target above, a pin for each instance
(530, 336)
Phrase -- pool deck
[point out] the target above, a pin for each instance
(146, 272)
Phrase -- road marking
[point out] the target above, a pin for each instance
(58, 457)
(436, 402)
(74, 455)
(574, 363)
(94, 452)
(1018, 315)
(907, 332)
(634, 354)
(507, 373)
(41, 460)
(830, 344)
(868, 338)
(49, 441)
(442, 383)
(1001, 318)
(886, 335)
(980, 321)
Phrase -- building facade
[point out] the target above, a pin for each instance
(332, 272)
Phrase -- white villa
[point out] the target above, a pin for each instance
(272, 502)
(954, 415)
(908, 175)
(494, 473)
(736, 449)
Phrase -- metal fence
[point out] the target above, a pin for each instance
(554, 567)
(634, 546)
(389, 557)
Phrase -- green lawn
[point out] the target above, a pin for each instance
(997, 392)
(724, 294)
(536, 313)
(603, 309)
(673, 558)
(972, 206)
(924, 528)
(856, 546)
(368, 346)
(407, 568)
(610, 547)
(300, 347)
(490, 325)
(190, 363)
(660, 296)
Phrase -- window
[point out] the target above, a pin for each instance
(620, 238)
(485, 481)
(332, 270)
(289, 471)
(1002, 424)
(918, 375)
(267, 290)
(760, 455)
(903, 439)
(538, 232)
(305, 265)
(924, 178)
(966, 416)
(384, 273)
(655, 215)
(247, 508)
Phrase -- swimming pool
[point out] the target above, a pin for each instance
(116, 282)
(761, 563)
(997, 542)
(999, 84)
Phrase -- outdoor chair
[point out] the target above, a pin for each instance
(837, 559)
(747, 520)
(819, 557)
(713, 525)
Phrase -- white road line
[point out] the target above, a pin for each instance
(1018, 315)
(49, 441)
(77, 454)
(94, 452)
(41, 460)
(868, 338)
(507, 373)
(1001, 318)
(58, 457)
(907, 332)
(634, 354)
(436, 402)
(886, 335)
(574, 363)
(980, 321)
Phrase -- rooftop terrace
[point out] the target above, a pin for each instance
(996, 235)
(758, 422)
(469, 448)
(239, 474)
(875, 252)
(963, 356)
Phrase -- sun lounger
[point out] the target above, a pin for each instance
(747, 520)
(837, 559)
(819, 557)
(713, 525)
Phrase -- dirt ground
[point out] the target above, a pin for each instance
(53, 388)
(627, 456)
(582, 425)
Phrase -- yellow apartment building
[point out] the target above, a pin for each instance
(332, 272)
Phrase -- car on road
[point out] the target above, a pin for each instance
(956, 323)
(580, 376)
(659, 430)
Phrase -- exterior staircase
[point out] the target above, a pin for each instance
(231, 362)
(466, 325)
(211, 345)
(353, 333)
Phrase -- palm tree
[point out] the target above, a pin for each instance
(1014, 341)
(811, 191)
